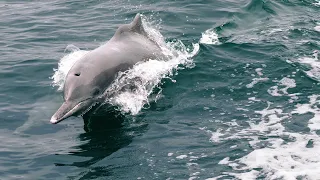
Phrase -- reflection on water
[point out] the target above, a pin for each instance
(102, 119)
(105, 134)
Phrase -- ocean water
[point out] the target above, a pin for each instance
(239, 97)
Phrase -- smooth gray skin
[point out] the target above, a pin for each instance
(91, 75)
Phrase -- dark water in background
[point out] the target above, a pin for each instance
(248, 109)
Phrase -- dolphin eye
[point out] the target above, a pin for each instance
(77, 74)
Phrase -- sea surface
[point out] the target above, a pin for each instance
(238, 99)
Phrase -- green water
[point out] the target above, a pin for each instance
(247, 106)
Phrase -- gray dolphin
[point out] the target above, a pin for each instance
(91, 75)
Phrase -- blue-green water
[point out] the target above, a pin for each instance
(241, 100)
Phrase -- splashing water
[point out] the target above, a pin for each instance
(210, 37)
(131, 89)
(65, 65)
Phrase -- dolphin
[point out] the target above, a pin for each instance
(90, 76)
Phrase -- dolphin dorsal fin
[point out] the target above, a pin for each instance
(136, 24)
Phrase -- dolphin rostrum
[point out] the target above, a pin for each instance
(91, 75)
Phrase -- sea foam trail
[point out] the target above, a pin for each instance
(280, 158)
(277, 151)
(144, 76)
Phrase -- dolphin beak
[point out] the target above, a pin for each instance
(63, 112)
(68, 109)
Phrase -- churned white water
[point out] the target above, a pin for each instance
(317, 28)
(282, 154)
(210, 37)
(312, 64)
(286, 155)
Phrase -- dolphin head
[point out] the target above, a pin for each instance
(82, 91)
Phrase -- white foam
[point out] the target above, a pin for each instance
(281, 159)
(193, 177)
(274, 91)
(270, 121)
(314, 123)
(286, 83)
(210, 37)
(224, 161)
(182, 156)
(317, 28)
(286, 161)
(254, 99)
(277, 157)
(317, 3)
(255, 81)
(242, 109)
(313, 63)
(280, 154)
(214, 136)
(144, 76)
(234, 146)
(271, 31)
(259, 71)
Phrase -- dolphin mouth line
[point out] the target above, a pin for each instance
(73, 111)
(89, 108)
